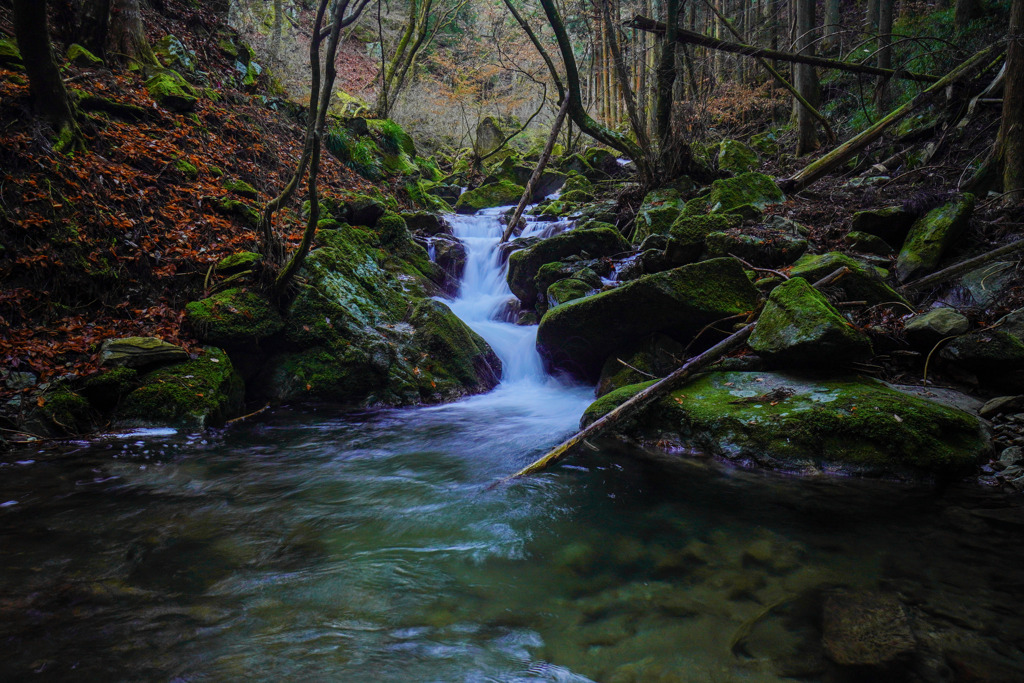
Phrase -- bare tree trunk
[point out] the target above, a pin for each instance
(93, 21)
(1010, 140)
(275, 36)
(49, 97)
(885, 17)
(831, 40)
(806, 78)
(127, 38)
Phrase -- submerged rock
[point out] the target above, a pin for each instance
(798, 424)
(931, 236)
(577, 337)
(867, 630)
(799, 327)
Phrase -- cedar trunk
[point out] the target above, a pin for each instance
(127, 39)
(806, 80)
(1010, 141)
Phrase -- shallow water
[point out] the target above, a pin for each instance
(312, 546)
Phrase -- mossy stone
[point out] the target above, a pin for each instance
(365, 210)
(172, 92)
(566, 290)
(140, 352)
(239, 209)
(799, 327)
(204, 392)
(106, 389)
(731, 194)
(687, 235)
(240, 188)
(79, 56)
(426, 223)
(891, 223)
(766, 248)
(232, 318)
(797, 424)
(187, 169)
(10, 55)
(503, 193)
(653, 357)
(658, 211)
(578, 336)
(67, 411)
(459, 359)
(862, 283)
(524, 265)
(601, 160)
(931, 236)
(928, 329)
(765, 143)
(237, 262)
(867, 243)
(735, 157)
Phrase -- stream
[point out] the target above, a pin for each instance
(309, 546)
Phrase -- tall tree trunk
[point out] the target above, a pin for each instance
(806, 78)
(49, 97)
(127, 38)
(871, 17)
(275, 36)
(831, 40)
(92, 19)
(885, 17)
(966, 11)
(1010, 140)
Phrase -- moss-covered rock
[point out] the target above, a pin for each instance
(578, 336)
(233, 318)
(602, 161)
(565, 290)
(240, 188)
(891, 223)
(458, 359)
(238, 262)
(65, 410)
(931, 235)
(239, 209)
(187, 169)
(172, 92)
(862, 283)
(79, 56)
(657, 213)
(426, 223)
(867, 243)
(524, 265)
(140, 352)
(199, 393)
(503, 193)
(105, 389)
(744, 194)
(765, 143)
(687, 235)
(995, 355)
(928, 329)
(796, 424)
(766, 247)
(10, 55)
(735, 157)
(574, 163)
(799, 327)
(364, 210)
(638, 362)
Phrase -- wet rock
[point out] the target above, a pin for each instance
(862, 283)
(927, 329)
(687, 235)
(198, 393)
(450, 255)
(364, 210)
(567, 290)
(503, 193)
(140, 352)
(746, 193)
(890, 224)
(931, 236)
(795, 424)
(578, 337)
(869, 631)
(426, 223)
(459, 359)
(577, 558)
(524, 265)
(1002, 404)
(988, 284)
(799, 327)
(658, 211)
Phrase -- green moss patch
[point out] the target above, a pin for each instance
(240, 188)
(931, 236)
(172, 92)
(503, 193)
(234, 317)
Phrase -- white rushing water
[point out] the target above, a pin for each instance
(483, 296)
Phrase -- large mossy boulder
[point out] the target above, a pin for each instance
(566, 290)
(766, 247)
(171, 91)
(799, 327)
(140, 352)
(995, 354)
(458, 360)
(861, 283)
(233, 318)
(891, 223)
(745, 194)
(503, 193)
(735, 157)
(524, 265)
(637, 362)
(796, 424)
(931, 236)
(687, 235)
(657, 213)
(199, 393)
(578, 336)
(928, 329)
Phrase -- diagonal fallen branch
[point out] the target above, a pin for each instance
(652, 393)
(963, 266)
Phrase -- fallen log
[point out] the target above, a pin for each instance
(535, 176)
(690, 37)
(843, 152)
(963, 266)
(652, 393)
